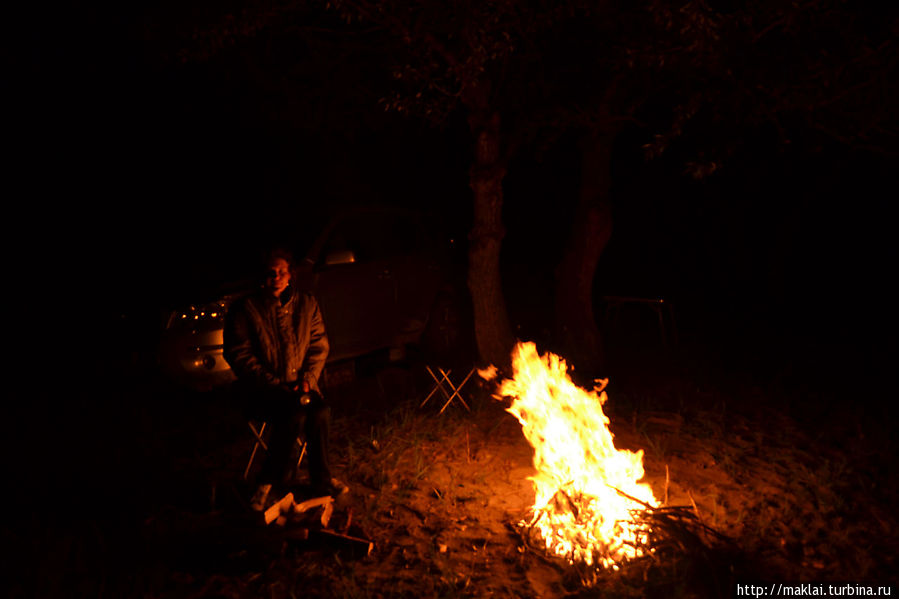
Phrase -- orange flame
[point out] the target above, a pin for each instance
(578, 510)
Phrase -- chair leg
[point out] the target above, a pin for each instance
(302, 451)
(439, 384)
(259, 443)
(457, 392)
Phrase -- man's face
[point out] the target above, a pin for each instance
(278, 276)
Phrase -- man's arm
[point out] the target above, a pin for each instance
(239, 351)
(317, 352)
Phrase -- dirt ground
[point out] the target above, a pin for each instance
(438, 496)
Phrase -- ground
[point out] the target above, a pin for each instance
(152, 503)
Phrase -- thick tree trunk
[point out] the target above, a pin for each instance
(493, 332)
(575, 324)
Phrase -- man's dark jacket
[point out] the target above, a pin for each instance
(268, 343)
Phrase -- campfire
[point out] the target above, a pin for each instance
(588, 495)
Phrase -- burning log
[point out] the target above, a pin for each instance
(671, 537)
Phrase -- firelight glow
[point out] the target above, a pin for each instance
(578, 510)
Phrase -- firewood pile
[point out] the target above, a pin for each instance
(312, 518)
(676, 539)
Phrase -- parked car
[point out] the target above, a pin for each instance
(381, 279)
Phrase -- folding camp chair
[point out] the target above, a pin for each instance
(258, 432)
(455, 390)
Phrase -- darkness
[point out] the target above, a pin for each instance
(780, 247)
(138, 185)
(148, 182)
(145, 182)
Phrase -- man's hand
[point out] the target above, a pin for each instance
(303, 390)
(304, 386)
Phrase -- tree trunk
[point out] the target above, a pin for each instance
(575, 324)
(493, 332)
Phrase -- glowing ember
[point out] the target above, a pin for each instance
(578, 511)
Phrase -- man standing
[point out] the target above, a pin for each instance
(275, 343)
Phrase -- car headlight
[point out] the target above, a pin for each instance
(205, 361)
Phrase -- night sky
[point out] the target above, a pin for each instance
(145, 180)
